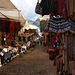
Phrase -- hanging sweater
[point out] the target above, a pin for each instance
(12, 27)
(49, 6)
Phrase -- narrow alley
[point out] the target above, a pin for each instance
(35, 62)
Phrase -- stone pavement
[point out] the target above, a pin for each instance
(34, 62)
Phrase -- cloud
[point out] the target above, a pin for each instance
(27, 8)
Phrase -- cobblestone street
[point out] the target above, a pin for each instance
(35, 62)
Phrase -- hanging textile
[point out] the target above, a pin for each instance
(8, 37)
(38, 9)
(3, 26)
(0, 37)
(58, 25)
(12, 37)
(7, 27)
(49, 6)
(71, 49)
(17, 27)
(12, 27)
(72, 26)
(62, 8)
(0, 24)
(70, 7)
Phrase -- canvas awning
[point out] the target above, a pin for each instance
(9, 11)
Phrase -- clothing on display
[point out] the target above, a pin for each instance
(72, 26)
(62, 8)
(7, 26)
(3, 26)
(0, 24)
(38, 9)
(58, 25)
(49, 6)
(12, 27)
(70, 4)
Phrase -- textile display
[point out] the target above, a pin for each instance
(38, 9)
(0, 24)
(70, 4)
(17, 27)
(12, 27)
(8, 37)
(58, 25)
(12, 37)
(71, 57)
(7, 26)
(72, 26)
(62, 8)
(49, 6)
(0, 37)
(54, 7)
(3, 26)
(71, 66)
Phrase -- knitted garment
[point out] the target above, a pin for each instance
(72, 26)
(58, 25)
(49, 6)
(12, 27)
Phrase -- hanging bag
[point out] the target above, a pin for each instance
(38, 9)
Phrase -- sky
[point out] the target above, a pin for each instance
(27, 8)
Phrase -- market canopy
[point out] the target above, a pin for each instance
(9, 11)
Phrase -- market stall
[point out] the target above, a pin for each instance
(11, 21)
(62, 25)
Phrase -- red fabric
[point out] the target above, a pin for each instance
(8, 36)
(73, 71)
(12, 38)
(12, 27)
(3, 26)
(62, 8)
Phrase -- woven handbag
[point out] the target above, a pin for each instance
(38, 9)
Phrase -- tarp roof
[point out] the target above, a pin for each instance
(9, 11)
